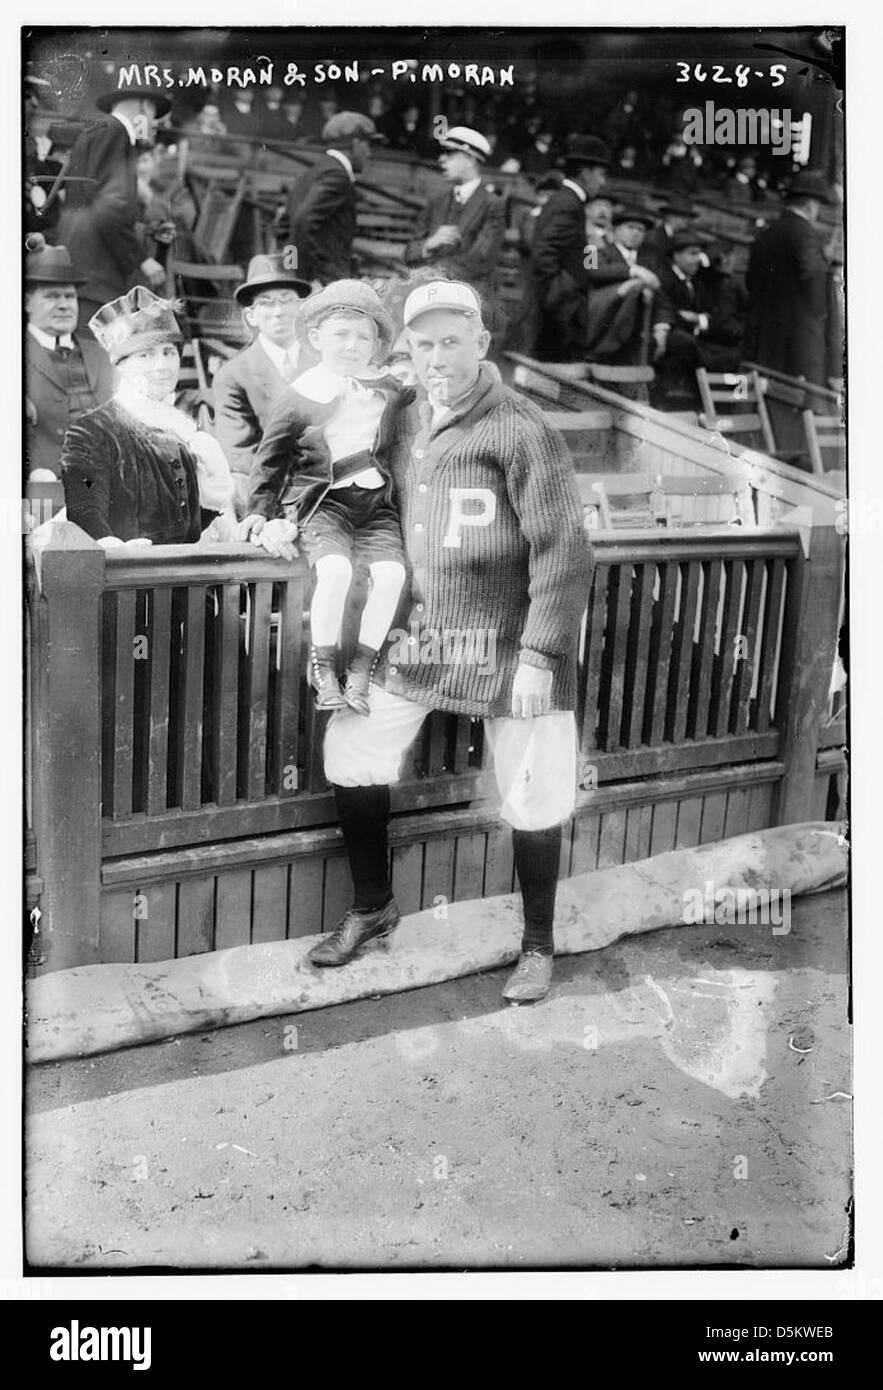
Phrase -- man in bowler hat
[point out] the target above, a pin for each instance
(65, 375)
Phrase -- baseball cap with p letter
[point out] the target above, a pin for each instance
(454, 295)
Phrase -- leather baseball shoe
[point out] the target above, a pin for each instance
(351, 933)
(530, 980)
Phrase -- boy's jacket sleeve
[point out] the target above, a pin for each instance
(293, 459)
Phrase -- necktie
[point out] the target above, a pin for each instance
(63, 353)
(288, 369)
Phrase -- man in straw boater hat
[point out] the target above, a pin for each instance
(321, 473)
(65, 375)
(247, 388)
(499, 566)
(322, 204)
(101, 198)
(460, 231)
(560, 264)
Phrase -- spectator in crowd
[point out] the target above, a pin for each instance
(727, 297)
(681, 323)
(409, 131)
(675, 216)
(247, 388)
(322, 204)
(599, 221)
(296, 127)
(65, 375)
(206, 132)
(559, 272)
(517, 567)
(42, 168)
(788, 289)
(460, 231)
(136, 470)
(98, 224)
(618, 286)
(534, 153)
(270, 115)
(680, 167)
(239, 115)
(745, 185)
(166, 218)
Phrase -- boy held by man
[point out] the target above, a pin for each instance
(320, 476)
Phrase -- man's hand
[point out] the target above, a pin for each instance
(153, 272)
(531, 692)
(441, 237)
(646, 277)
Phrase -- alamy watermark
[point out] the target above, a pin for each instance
(755, 907)
(721, 125)
(447, 646)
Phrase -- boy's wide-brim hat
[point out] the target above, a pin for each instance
(108, 100)
(586, 149)
(51, 265)
(134, 322)
(348, 296)
(269, 273)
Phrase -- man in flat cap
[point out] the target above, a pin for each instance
(248, 387)
(559, 265)
(460, 231)
(497, 554)
(101, 199)
(788, 288)
(322, 204)
(65, 375)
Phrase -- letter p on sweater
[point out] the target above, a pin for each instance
(458, 517)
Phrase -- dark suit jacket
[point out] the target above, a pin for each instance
(245, 391)
(322, 221)
(45, 391)
(481, 224)
(788, 300)
(560, 278)
(101, 210)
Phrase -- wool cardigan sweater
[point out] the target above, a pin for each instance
(496, 548)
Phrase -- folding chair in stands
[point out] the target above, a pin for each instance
(193, 394)
(825, 434)
(212, 235)
(643, 503)
(736, 390)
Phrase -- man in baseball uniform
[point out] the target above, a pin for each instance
(497, 554)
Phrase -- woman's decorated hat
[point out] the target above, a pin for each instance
(135, 321)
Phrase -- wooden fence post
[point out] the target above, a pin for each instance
(66, 718)
(809, 645)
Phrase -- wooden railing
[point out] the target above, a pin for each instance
(170, 708)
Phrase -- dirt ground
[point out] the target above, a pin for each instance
(682, 1098)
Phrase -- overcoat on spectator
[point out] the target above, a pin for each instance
(100, 213)
(788, 292)
(322, 221)
(481, 224)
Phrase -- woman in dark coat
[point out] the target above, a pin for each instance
(138, 469)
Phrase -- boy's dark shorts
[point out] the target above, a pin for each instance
(358, 522)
